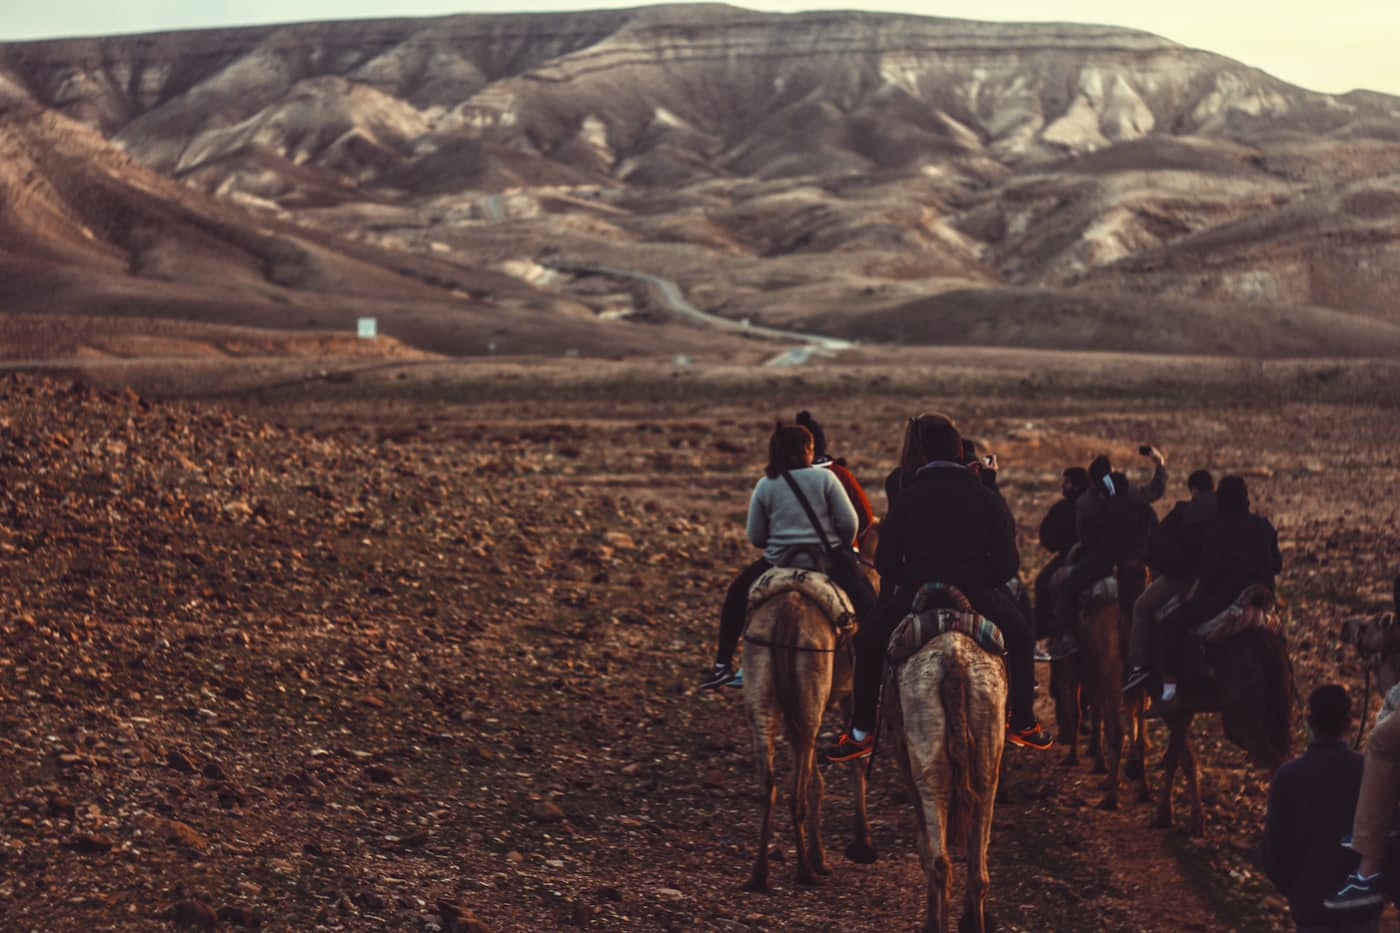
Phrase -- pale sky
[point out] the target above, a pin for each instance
(1323, 45)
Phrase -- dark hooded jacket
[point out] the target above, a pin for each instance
(1113, 529)
(947, 526)
(1239, 549)
(1174, 549)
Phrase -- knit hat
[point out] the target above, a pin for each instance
(805, 419)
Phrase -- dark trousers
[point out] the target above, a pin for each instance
(735, 611)
(1175, 628)
(993, 602)
(1044, 597)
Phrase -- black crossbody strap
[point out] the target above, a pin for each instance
(806, 507)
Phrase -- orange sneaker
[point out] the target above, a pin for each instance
(1031, 736)
(848, 749)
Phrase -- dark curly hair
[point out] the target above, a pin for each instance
(789, 448)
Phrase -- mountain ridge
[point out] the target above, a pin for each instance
(726, 149)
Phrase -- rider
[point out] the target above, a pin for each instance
(779, 524)
(865, 515)
(1174, 554)
(947, 527)
(1058, 535)
(1239, 549)
(1114, 522)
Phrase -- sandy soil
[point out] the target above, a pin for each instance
(387, 649)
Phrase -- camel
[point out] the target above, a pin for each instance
(945, 712)
(1093, 678)
(798, 662)
(1376, 639)
(1253, 691)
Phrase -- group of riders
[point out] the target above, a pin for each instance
(948, 524)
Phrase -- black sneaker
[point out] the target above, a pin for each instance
(1136, 678)
(721, 675)
(1062, 647)
(1356, 893)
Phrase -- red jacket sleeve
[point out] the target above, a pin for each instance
(864, 513)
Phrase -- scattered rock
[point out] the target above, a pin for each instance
(546, 811)
(195, 914)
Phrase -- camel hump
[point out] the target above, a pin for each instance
(815, 586)
(1253, 608)
(919, 628)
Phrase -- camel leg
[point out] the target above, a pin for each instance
(1110, 705)
(815, 790)
(1097, 726)
(768, 792)
(1136, 767)
(1193, 784)
(1064, 686)
(1113, 748)
(940, 882)
(862, 847)
(803, 762)
(1170, 759)
(987, 770)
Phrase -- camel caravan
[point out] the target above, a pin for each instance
(918, 629)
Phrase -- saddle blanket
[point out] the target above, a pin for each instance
(1254, 608)
(919, 628)
(816, 586)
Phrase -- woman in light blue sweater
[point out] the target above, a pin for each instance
(778, 523)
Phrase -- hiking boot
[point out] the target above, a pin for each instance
(848, 749)
(1356, 893)
(1031, 736)
(721, 675)
(1136, 678)
(1041, 654)
(737, 680)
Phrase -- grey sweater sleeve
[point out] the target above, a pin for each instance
(758, 517)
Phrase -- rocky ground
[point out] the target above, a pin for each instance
(416, 650)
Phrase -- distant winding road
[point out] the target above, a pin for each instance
(675, 301)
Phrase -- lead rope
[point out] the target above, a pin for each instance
(1365, 709)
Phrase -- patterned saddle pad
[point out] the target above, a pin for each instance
(1253, 608)
(813, 585)
(924, 624)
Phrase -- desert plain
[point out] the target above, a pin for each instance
(374, 642)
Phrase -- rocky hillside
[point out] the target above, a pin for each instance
(777, 167)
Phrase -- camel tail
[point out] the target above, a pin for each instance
(783, 664)
(960, 739)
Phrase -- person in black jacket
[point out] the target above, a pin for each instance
(1114, 521)
(1174, 554)
(1239, 549)
(945, 526)
(1057, 535)
(1311, 800)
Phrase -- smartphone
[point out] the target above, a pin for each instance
(1145, 450)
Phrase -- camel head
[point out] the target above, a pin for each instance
(1376, 639)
